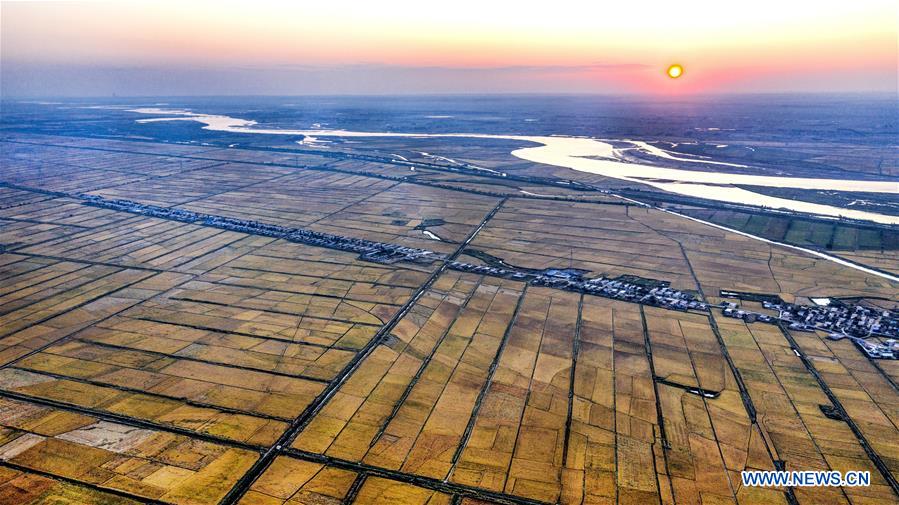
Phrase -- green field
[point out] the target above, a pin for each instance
(804, 232)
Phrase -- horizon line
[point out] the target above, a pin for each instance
(4, 97)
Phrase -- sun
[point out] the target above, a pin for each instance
(675, 71)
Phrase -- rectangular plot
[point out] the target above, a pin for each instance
(289, 258)
(381, 491)
(314, 361)
(24, 487)
(17, 234)
(528, 396)
(540, 235)
(394, 215)
(642, 475)
(45, 332)
(345, 426)
(298, 481)
(708, 436)
(343, 309)
(141, 241)
(238, 427)
(309, 284)
(768, 366)
(297, 199)
(143, 463)
(536, 464)
(36, 285)
(15, 197)
(100, 282)
(427, 428)
(65, 211)
(14, 265)
(876, 426)
(589, 472)
(294, 481)
(291, 328)
(256, 393)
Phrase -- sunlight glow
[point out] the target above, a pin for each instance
(675, 71)
(566, 46)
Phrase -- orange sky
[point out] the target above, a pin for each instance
(459, 46)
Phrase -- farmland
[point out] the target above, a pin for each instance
(150, 360)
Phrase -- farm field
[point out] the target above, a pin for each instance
(805, 232)
(146, 358)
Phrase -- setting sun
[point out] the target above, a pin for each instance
(675, 71)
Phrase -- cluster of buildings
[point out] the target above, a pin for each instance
(731, 310)
(656, 293)
(838, 317)
(492, 271)
(368, 250)
(855, 322)
(888, 349)
(184, 216)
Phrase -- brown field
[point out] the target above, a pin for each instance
(146, 360)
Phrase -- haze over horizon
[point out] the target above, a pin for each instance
(399, 47)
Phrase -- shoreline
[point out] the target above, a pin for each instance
(573, 152)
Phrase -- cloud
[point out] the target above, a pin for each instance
(28, 79)
(448, 68)
(24, 79)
